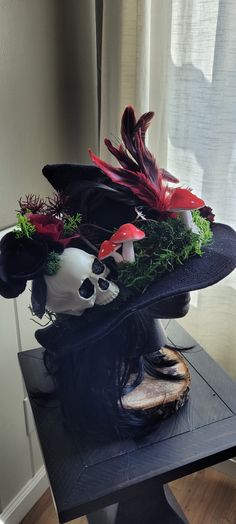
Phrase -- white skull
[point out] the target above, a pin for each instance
(79, 283)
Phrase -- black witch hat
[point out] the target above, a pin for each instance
(102, 349)
(110, 196)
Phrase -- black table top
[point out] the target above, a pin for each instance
(86, 474)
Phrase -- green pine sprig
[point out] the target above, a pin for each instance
(24, 228)
(71, 224)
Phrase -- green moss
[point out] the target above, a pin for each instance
(204, 227)
(166, 245)
(52, 264)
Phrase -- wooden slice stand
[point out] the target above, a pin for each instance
(165, 396)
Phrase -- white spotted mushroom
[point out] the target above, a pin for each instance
(109, 249)
(183, 202)
(126, 235)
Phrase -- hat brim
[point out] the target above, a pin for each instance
(60, 176)
(217, 261)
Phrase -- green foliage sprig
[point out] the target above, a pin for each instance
(71, 224)
(49, 316)
(24, 228)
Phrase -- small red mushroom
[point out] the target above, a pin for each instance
(108, 249)
(183, 201)
(127, 234)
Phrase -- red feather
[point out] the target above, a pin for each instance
(139, 170)
(121, 155)
(133, 136)
(128, 123)
(169, 177)
(137, 182)
(144, 123)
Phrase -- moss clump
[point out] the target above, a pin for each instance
(52, 263)
(166, 245)
(204, 226)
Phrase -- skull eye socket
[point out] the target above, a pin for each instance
(86, 290)
(97, 267)
(103, 284)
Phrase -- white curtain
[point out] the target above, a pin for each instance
(179, 59)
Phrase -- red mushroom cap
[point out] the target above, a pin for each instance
(183, 199)
(107, 248)
(127, 232)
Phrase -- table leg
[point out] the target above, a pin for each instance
(152, 505)
(104, 516)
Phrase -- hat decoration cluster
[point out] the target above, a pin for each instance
(64, 254)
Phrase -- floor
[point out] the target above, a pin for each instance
(206, 497)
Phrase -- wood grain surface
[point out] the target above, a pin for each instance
(168, 395)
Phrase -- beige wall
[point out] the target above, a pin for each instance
(47, 92)
(48, 114)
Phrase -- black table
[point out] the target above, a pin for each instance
(128, 478)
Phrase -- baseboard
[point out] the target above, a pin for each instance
(228, 468)
(25, 499)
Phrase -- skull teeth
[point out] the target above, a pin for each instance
(104, 297)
